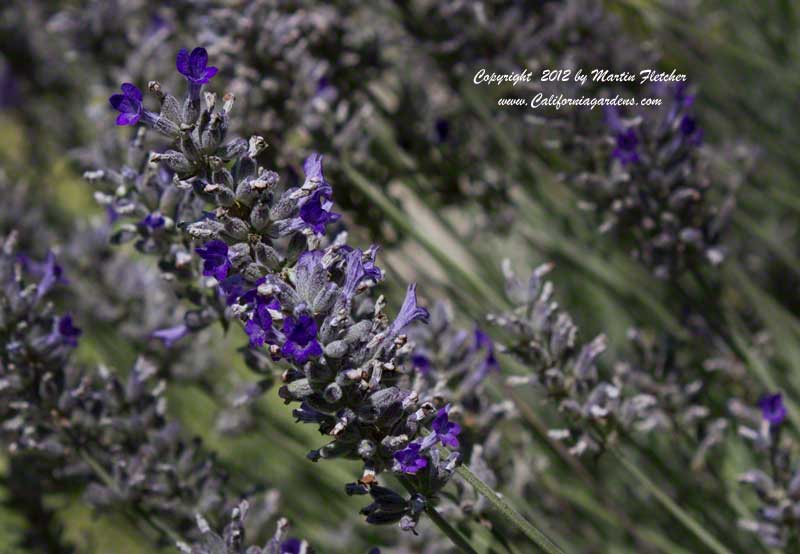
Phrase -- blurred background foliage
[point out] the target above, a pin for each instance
(423, 162)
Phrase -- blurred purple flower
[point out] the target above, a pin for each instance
(67, 332)
(421, 363)
(153, 221)
(171, 335)
(772, 408)
(625, 151)
(690, 131)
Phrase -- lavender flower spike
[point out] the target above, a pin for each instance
(772, 409)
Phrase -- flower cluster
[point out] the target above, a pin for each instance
(112, 434)
(649, 182)
(300, 297)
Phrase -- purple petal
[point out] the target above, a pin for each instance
(182, 61)
(313, 167)
(210, 72)
(132, 91)
(198, 60)
(116, 100)
(170, 335)
(409, 312)
(127, 118)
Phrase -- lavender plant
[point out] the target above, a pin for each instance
(300, 297)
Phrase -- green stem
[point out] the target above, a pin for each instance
(687, 520)
(501, 505)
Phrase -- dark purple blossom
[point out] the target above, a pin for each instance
(445, 430)
(301, 339)
(215, 259)
(259, 326)
(410, 459)
(67, 332)
(316, 212)
(128, 104)
(291, 546)
(421, 363)
(772, 408)
(194, 66)
(171, 335)
(625, 151)
(153, 221)
(690, 131)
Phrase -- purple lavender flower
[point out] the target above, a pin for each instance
(316, 212)
(215, 259)
(772, 408)
(259, 327)
(484, 342)
(312, 167)
(409, 312)
(171, 335)
(446, 431)
(690, 130)
(301, 339)
(128, 104)
(410, 459)
(51, 275)
(153, 221)
(67, 332)
(625, 151)
(421, 363)
(291, 546)
(194, 66)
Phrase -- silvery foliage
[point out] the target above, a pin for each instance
(302, 298)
